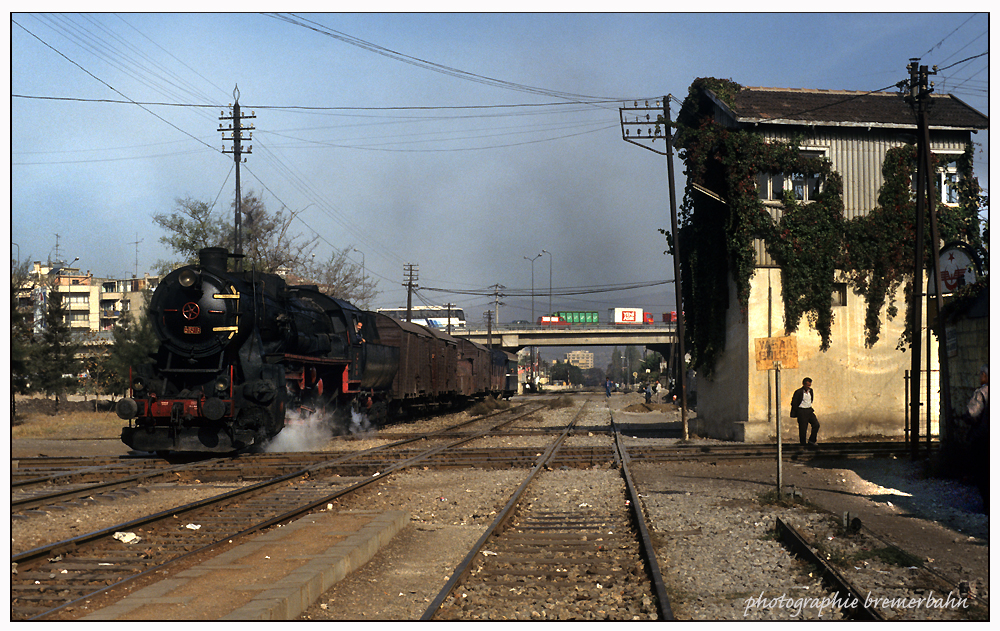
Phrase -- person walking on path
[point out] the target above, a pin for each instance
(802, 411)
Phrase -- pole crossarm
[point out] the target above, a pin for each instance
(642, 123)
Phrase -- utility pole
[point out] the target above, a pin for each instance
(632, 132)
(496, 300)
(488, 316)
(411, 273)
(235, 131)
(919, 95)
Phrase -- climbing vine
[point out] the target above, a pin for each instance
(722, 214)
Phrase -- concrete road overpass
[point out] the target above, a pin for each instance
(657, 337)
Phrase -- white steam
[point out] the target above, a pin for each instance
(311, 432)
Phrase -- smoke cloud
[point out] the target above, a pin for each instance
(311, 432)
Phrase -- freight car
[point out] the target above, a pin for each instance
(241, 351)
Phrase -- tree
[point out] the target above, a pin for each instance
(340, 277)
(563, 371)
(21, 341)
(269, 245)
(593, 377)
(134, 343)
(623, 364)
(190, 228)
(56, 355)
(652, 365)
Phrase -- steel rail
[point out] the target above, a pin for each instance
(639, 515)
(34, 501)
(500, 523)
(27, 467)
(856, 603)
(72, 544)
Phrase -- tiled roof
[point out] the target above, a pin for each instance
(787, 106)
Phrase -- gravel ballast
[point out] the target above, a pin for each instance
(711, 524)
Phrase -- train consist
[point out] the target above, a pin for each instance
(242, 351)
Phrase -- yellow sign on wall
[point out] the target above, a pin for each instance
(770, 350)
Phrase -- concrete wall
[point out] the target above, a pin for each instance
(969, 350)
(859, 391)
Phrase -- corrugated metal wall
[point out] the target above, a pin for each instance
(857, 153)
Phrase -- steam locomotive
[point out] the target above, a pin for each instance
(242, 351)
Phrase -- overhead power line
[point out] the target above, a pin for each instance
(105, 84)
(326, 108)
(429, 65)
(566, 291)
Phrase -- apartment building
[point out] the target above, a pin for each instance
(92, 304)
(581, 359)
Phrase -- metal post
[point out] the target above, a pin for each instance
(532, 259)
(534, 365)
(906, 406)
(777, 387)
(677, 263)
(237, 150)
(944, 378)
(550, 279)
(236, 128)
(917, 92)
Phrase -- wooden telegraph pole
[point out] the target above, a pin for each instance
(633, 132)
(918, 97)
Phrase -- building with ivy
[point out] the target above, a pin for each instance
(798, 222)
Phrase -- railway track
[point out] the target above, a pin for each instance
(862, 596)
(546, 558)
(54, 577)
(571, 555)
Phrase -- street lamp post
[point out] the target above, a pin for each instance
(550, 278)
(532, 259)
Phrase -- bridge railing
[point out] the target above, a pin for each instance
(668, 326)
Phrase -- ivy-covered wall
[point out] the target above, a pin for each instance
(812, 242)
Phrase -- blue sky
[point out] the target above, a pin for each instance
(445, 140)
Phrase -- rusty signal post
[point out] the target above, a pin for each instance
(775, 353)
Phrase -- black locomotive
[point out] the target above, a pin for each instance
(241, 351)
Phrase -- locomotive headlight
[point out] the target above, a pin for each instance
(126, 408)
(221, 384)
(188, 278)
(138, 384)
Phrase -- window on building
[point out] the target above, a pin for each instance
(804, 186)
(948, 183)
(839, 297)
